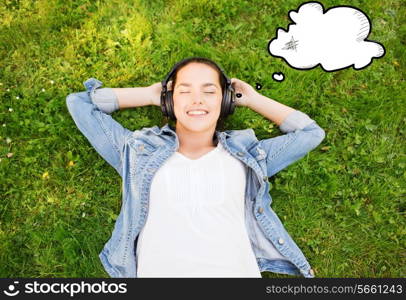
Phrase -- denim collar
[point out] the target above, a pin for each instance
(169, 129)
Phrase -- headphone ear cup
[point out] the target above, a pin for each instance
(169, 105)
(228, 104)
(164, 105)
(232, 100)
(223, 112)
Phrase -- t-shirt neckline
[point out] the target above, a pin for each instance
(201, 157)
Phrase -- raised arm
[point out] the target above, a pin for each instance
(138, 96)
(91, 111)
(303, 134)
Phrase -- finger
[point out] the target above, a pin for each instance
(234, 83)
(170, 85)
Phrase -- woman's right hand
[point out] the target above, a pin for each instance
(155, 92)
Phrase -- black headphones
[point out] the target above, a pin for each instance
(227, 104)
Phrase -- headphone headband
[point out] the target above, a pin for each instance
(176, 66)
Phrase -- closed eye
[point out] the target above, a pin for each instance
(189, 92)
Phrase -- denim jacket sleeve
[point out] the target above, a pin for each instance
(302, 135)
(91, 111)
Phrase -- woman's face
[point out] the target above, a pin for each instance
(197, 89)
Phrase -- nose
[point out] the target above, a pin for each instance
(197, 97)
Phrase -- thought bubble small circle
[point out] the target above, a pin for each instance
(258, 86)
(278, 76)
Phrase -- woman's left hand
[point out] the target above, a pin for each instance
(247, 92)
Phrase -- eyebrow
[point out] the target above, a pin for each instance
(204, 84)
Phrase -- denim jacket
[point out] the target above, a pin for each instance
(137, 155)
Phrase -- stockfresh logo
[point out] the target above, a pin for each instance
(11, 291)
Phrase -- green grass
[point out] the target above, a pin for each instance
(343, 203)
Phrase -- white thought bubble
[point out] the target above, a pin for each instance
(335, 39)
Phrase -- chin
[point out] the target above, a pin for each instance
(197, 126)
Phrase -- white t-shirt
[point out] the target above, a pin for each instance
(195, 225)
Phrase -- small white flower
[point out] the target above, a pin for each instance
(8, 90)
(8, 140)
(17, 97)
(43, 90)
(0, 159)
(52, 82)
(4, 124)
(10, 109)
(1, 83)
(83, 215)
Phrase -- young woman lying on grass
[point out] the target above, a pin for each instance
(196, 199)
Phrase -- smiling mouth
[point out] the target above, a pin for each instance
(197, 113)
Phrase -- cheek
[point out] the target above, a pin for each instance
(178, 103)
(216, 105)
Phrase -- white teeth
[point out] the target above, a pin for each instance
(197, 112)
